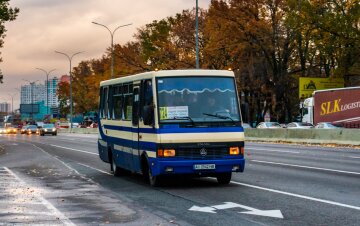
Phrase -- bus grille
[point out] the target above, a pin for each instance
(196, 153)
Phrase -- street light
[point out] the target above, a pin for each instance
(31, 95)
(71, 101)
(12, 102)
(112, 43)
(47, 87)
(197, 35)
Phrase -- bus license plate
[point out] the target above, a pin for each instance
(204, 166)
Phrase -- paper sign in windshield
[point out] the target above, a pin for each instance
(173, 112)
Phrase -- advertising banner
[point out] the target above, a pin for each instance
(308, 85)
(338, 106)
(29, 108)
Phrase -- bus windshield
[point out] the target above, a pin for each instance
(197, 99)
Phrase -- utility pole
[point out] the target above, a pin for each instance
(112, 43)
(71, 99)
(197, 35)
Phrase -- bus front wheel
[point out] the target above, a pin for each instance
(154, 181)
(224, 178)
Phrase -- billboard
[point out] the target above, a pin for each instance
(338, 106)
(29, 108)
(308, 85)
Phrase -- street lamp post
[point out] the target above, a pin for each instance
(12, 102)
(112, 43)
(47, 87)
(71, 100)
(197, 35)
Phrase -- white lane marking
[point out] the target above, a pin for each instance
(307, 167)
(271, 150)
(102, 171)
(298, 196)
(20, 202)
(73, 139)
(353, 157)
(229, 205)
(46, 203)
(72, 149)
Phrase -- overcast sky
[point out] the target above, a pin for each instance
(44, 26)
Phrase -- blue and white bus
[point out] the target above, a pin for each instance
(172, 122)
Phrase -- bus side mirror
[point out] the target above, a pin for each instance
(148, 116)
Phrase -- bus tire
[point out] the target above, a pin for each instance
(116, 171)
(154, 181)
(224, 178)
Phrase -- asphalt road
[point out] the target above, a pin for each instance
(61, 181)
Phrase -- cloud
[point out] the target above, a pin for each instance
(44, 26)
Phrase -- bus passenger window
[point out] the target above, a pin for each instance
(128, 99)
(104, 103)
(110, 103)
(118, 103)
(148, 104)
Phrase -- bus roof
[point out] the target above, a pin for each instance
(168, 73)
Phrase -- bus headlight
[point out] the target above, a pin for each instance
(234, 150)
(166, 152)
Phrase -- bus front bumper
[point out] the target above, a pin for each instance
(196, 167)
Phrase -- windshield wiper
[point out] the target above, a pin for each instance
(220, 116)
(182, 118)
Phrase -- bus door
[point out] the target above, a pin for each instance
(135, 128)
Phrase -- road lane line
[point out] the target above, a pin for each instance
(270, 150)
(307, 167)
(47, 204)
(298, 196)
(72, 149)
(102, 171)
(353, 157)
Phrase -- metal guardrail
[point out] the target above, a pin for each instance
(319, 136)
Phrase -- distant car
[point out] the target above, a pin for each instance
(327, 125)
(2, 130)
(299, 125)
(48, 129)
(268, 125)
(23, 129)
(11, 130)
(32, 129)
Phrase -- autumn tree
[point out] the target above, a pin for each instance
(63, 93)
(6, 14)
(334, 31)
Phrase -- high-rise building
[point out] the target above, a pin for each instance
(5, 107)
(32, 93)
(52, 88)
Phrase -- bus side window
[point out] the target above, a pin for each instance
(135, 109)
(147, 103)
(106, 103)
(118, 103)
(128, 99)
(110, 102)
(103, 102)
